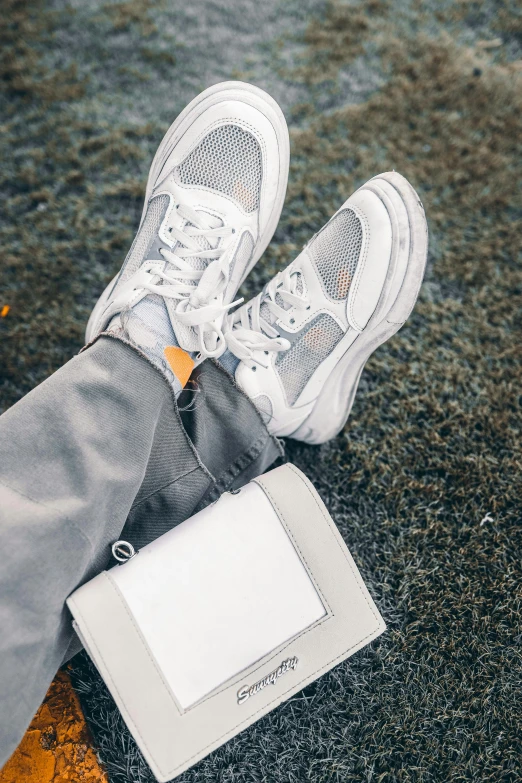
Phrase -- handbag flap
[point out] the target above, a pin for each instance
(218, 592)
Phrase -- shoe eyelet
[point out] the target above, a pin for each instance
(254, 368)
(233, 230)
(292, 320)
(308, 307)
(266, 353)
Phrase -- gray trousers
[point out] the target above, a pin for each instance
(100, 451)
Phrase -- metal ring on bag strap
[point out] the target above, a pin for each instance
(122, 551)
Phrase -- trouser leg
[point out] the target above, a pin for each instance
(98, 446)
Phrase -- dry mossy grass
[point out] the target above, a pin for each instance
(425, 482)
(71, 188)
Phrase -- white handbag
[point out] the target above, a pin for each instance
(224, 617)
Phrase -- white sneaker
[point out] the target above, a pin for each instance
(214, 196)
(298, 349)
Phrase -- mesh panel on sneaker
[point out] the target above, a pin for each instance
(336, 251)
(264, 310)
(227, 160)
(264, 406)
(243, 254)
(152, 221)
(315, 342)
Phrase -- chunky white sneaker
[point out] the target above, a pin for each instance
(214, 196)
(298, 349)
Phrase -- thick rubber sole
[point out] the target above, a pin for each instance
(333, 406)
(215, 94)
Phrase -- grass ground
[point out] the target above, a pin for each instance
(425, 481)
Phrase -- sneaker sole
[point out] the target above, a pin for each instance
(333, 406)
(219, 92)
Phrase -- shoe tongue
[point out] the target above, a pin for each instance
(297, 288)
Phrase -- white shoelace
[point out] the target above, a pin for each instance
(247, 331)
(194, 288)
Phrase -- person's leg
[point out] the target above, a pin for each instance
(99, 444)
